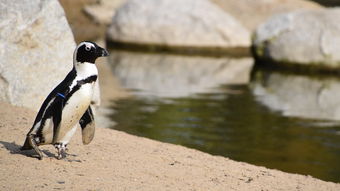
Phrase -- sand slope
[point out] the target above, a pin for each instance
(118, 161)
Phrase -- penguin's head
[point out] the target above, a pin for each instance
(88, 52)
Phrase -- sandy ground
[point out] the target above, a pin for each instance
(118, 161)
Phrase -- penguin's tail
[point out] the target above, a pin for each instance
(27, 145)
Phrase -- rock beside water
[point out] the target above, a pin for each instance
(36, 50)
(188, 23)
(308, 37)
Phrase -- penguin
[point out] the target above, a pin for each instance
(68, 104)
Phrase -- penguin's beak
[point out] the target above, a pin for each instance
(101, 52)
(104, 52)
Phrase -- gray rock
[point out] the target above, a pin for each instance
(298, 95)
(192, 23)
(177, 76)
(36, 50)
(302, 37)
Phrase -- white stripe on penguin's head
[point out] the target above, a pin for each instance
(89, 45)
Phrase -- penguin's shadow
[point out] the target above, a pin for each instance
(13, 148)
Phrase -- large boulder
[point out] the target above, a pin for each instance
(303, 37)
(175, 75)
(36, 50)
(252, 13)
(184, 23)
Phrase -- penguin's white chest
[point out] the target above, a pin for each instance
(73, 111)
(77, 104)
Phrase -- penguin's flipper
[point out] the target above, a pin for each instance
(57, 112)
(87, 126)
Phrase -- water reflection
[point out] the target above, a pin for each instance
(177, 76)
(298, 95)
(232, 120)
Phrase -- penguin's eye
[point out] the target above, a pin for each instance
(87, 48)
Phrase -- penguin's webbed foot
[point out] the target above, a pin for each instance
(34, 145)
(61, 148)
(60, 154)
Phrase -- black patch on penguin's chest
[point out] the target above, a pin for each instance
(87, 80)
